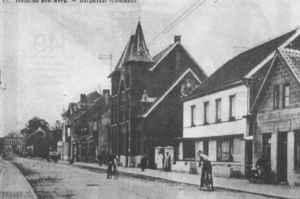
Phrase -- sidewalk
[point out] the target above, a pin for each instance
(242, 185)
(12, 183)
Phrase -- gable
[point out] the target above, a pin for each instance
(187, 74)
(279, 75)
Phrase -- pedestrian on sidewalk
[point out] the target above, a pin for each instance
(206, 168)
(144, 162)
(160, 161)
(100, 159)
(167, 162)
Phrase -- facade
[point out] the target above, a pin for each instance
(218, 116)
(13, 143)
(277, 137)
(97, 117)
(74, 129)
(146, 111)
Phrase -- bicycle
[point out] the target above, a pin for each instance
(208, 182)
(112, 172)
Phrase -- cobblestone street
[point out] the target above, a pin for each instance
(50, 180)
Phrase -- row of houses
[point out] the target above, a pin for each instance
(249, 107)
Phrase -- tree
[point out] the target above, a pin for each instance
(35, 123)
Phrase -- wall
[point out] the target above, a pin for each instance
(241, 106)
(273, 121)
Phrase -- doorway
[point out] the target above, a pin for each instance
(282, 158)
(249, 155)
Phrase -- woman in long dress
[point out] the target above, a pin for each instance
(160, 161)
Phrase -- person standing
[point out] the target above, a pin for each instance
(160, 161)
(206, 168)
(167, 162)
(144, 162)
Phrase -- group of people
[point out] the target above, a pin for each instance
(163, 162)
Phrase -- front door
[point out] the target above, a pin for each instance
(249, 155)
(282, 158)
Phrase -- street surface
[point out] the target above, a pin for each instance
(50, 180)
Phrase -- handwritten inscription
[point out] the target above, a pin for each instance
(279, 115)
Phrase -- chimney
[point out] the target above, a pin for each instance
(177, 38)
(83, 98)
(106, 95)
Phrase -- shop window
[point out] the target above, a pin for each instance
(218, 110)
(267, 147)
(189, 150)
(286, 96)
(206, 111)
(193, 107)
(232, 107)
(225, 150)
(276, 97)
(297, 149)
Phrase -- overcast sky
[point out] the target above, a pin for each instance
(58, 45)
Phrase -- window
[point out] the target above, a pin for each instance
(267, 147)
(225, 150)
(9, 142)
(285, 95)
(297, 149)
(276, 97)
(189, 150)
(14, 141)
(6, 142)
(95, 126)
(193, 115)
(232, 107)
(218, 110)
(206, 111)
(205, 147)
(18, 142)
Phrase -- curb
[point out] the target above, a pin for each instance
(25, 182)
(173, 181)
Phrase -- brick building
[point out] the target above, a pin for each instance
(146, 111)
(13, 143)
(219, 117)
(75, 127)
(277, 111)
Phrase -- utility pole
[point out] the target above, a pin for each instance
(110, 57)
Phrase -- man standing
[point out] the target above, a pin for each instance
(206, 168)
(167, 162)
(144, 162)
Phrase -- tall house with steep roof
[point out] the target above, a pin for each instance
(146, 91)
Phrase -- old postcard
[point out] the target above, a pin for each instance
(149, 99)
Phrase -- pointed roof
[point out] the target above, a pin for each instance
(140, 51)
(238, 68)
(292, 58)
(135, 50)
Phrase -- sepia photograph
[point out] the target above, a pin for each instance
(149, 99)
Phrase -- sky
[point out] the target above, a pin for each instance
(58, 45)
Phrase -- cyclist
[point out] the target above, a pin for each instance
(207, 168)
(112, 162)
(261, 165)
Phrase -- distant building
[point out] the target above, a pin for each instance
(1, 144)
(13, 143)
(146, 111)
(75, 127)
